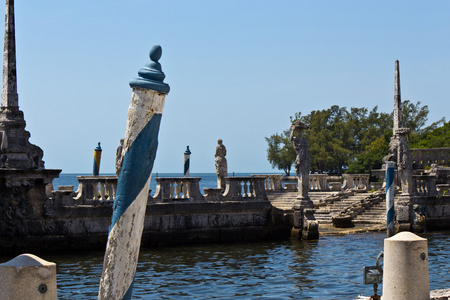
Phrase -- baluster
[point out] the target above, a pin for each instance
(95, 190)
(188, 189)
(251, 188)
(244, 188)
(172, 189)
(178, 190)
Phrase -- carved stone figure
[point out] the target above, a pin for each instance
(119, 157)
(305, 224)
(404, 161)
(221, 164)
(302, 163)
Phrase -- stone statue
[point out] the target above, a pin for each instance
(221, 164)
(305, 224)
(119, 157)
(302, 163)
(404, 161)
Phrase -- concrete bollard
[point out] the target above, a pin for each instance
(28, 277)
(405, 274)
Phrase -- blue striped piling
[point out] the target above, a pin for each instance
(187, 159)
(139, 151)
(97, 158)
(390, 187)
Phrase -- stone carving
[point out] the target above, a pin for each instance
(119, 157)
(404, 161)
(302, 163)
(305, 224)
(221, 164)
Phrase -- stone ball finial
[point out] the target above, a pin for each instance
(155, 53)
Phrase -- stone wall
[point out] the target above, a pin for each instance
(85, 227)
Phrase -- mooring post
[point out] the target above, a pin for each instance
(187, 159)
(390, 187)
(97, 158)
(139, 151)
(28, 277)
(405, 270)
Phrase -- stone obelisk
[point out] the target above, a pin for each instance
(397, 100)
(15, 150)
(24, 182)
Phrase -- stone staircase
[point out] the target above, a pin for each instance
(324, 214)
(375, 215)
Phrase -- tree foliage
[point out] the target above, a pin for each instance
(336, 135)
(355, 138)
(433, 137)
(280, 152)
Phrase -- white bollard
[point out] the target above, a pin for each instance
(28, 277)
(405, 274)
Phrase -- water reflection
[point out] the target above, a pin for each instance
(330, 268)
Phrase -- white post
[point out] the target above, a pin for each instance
(390, 188)
(28, 277)
(405, 274)
(139, 151)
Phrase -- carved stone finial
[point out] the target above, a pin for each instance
(151, 76)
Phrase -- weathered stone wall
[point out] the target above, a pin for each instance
(85, 227)
(436, 210)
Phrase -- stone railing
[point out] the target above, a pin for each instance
(240, 188)
(185, 189)
(359, 181)
(429, 156)
(272, 182)
(96, 188)
(424, 185)
(318, 182)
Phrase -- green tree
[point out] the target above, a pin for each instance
(280, 152)
(337, 135)
(434, 137)
(371, 158)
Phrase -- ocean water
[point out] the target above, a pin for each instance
(330, 268)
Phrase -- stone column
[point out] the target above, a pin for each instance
(305, 224)
(397, 99)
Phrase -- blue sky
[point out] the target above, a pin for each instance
(237, 70)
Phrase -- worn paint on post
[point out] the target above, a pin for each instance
(187, 159)
(97, 158)
(139, 152)
(390, 187)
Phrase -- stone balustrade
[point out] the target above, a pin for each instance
(424, 185)
(318, 182)
(272, 182)
(96, 188)
(359, 181)
(241, 188)
(428, 156)
(170, 189)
